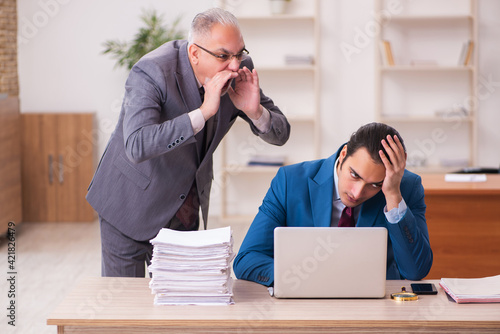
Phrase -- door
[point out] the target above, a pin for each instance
(73, 167)
(57, 167)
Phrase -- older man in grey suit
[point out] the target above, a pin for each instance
(157, 168)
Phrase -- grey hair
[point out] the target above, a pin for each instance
(203, 22)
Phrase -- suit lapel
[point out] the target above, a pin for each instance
(321, 193)
(188, 89)
(212, 127)
(186, 81)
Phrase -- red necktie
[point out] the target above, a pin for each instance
(347, 218)
(188, 212)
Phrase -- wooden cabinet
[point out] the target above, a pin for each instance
(464, 228)
(57, 166)
(10, 163)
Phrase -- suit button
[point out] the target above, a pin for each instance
(182, 138)
(182, 196)
(169, 146)
(177, 141)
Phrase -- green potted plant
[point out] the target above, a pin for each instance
(149, 37)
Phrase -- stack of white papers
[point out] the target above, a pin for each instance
(192, 267)
(473, 290)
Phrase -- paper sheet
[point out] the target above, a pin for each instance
(465, 177)
(473, 290)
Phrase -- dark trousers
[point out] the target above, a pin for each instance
(122, 256)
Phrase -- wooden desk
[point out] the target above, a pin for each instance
(463, 219)
(125, 305)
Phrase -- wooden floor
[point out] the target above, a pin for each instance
(50, 259)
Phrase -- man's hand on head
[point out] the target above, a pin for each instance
(395, 165)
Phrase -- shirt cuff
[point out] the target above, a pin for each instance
(197, 120)
(396, 214)
(263, 124)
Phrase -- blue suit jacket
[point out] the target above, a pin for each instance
(302, 195)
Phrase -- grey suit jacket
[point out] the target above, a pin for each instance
(152, 156)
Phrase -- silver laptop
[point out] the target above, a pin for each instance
(330, 262)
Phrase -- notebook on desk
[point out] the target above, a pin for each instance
(330, 262)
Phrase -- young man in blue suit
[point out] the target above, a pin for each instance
(368, 176)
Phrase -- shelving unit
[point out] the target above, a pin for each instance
(434, 106)
(293, 87)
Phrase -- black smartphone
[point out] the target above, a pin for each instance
(424, 288)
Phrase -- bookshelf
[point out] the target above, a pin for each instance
(429, 93)
(285, 51)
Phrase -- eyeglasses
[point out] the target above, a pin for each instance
(224, 57)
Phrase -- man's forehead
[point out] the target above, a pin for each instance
(361, 163)
(368, 178)
(225, 34)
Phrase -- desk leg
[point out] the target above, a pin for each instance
(60, 329)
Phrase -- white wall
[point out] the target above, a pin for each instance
(489, 83)
(61, 67)
(347, 97)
